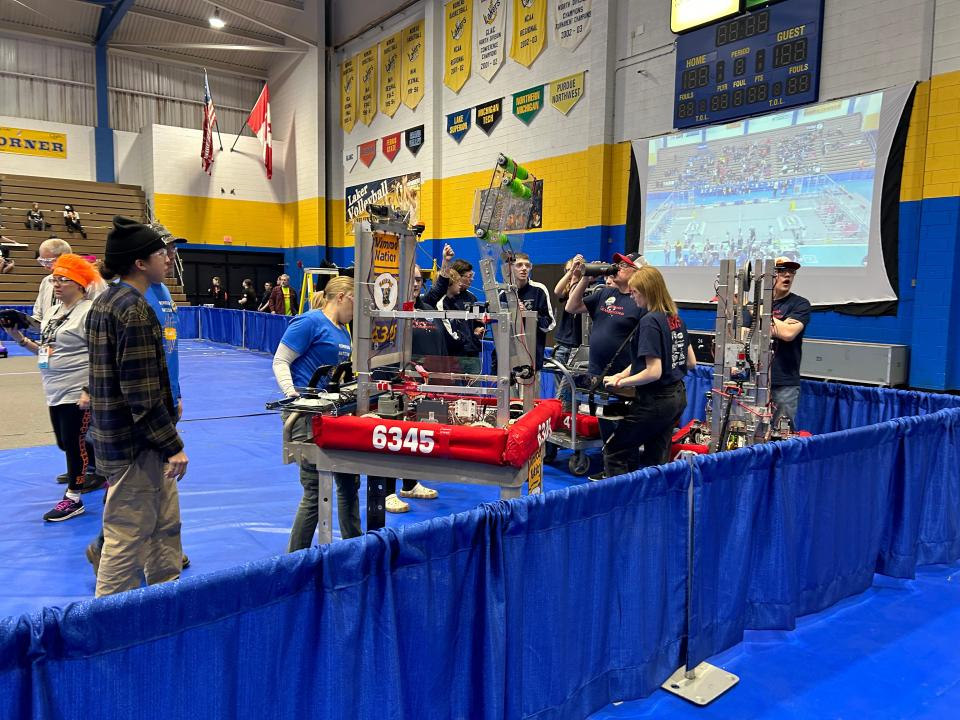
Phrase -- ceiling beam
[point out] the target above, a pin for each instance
(243, 15)
(110, 20)
(193, 63)
(292, 4)
(204, 25)
(19, 30)
(208, 46)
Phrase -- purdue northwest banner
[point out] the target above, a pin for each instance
(528, 103)
(489, 114)
(390, 74)
(458, 43)
(412, 66)
(348, 94)
(491, 32)
(401, 193)
(566, 92)
(368, 84)
(529, 35)
(33, 142)
(458, 123)
(571, 22)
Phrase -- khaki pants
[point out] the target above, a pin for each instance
(141, 527)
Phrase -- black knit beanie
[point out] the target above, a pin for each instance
(130, 241)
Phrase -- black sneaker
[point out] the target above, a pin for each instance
(92, 481)
(63, 478)
(597, 476)
(64, 510)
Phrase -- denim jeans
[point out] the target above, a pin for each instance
(562, 353)
(786, 400)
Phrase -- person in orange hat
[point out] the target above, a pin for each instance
(62, 358)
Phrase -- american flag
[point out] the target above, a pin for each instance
(209, 119)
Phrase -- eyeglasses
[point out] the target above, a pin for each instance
(59, 280)
(786, 271)
(46, 262)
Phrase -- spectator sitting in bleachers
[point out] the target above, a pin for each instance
(71, 218)
(35, 219)
(6, 264)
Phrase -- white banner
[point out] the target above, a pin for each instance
(571, 22)
(489, 35)
(349, 159)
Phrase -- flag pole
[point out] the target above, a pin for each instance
(238, 138)
(216, 122)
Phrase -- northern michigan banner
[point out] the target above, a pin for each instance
(368, 85)
(566, 92)
(529, 35)
(348, 94)
(458, 43)
(390, 74)
(571, 22)
(412, 66)
(20, 141)
(528, 103)
(401, 192)
(491, 34)
(489, 114)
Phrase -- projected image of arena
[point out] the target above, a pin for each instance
(797, 184)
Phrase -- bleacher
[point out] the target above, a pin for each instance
(97, 204)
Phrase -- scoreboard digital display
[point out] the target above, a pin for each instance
(755, 63)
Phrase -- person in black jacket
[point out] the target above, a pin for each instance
(248, 297)
(534, 296)
(451, 292)
(217, 294)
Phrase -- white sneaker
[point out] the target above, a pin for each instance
(420, 492)
(396, 505)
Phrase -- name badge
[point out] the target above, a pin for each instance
(43, 357)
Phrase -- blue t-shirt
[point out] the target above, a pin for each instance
(318, 342)
(614, 315)
(166, 311)
(785, 367)
(663, 336)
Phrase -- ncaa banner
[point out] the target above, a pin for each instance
(414, 139)
(391, 146)
(489, 114)
(528, 103)
(566, 92)
(529, 35)
(458, 123)
(401, 193)
(571, 22)
(368, 151)
(348, 94)
(33, 142)
(491, 32)
(458, 43)
(349, 159)
(412, 65)
(368, 85)
(390, 74)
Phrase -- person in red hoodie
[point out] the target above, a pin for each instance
(283, 299)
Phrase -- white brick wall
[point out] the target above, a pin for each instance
(296, 106)
(127, 155)
(79, 164)
(946, 37)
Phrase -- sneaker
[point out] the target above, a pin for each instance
(93, 556)
(64, 510)
(185, 562)
(597, 476)
(396, 505)
(420, 492)
(63, 478)
(92, 481)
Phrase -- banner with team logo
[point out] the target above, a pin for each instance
(527, 104)
(489, 114)
(571, 22)
(529, 35)
(491, 33)
(458, 43)
(368, 85)
(401, 192)
(458, 123)
(566, 92)
(390, 74)
(412, 65)
(348, 94)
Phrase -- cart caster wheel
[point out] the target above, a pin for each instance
(579, 464)
(550, 452)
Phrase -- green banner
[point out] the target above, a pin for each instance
(528, 103)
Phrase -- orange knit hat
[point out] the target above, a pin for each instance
(73, 267)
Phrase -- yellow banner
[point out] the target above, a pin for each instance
(458, 45)
(33, 142)
(348, 94)
(413, 52)
(529, 36)
(566, 92)
(368, 85)
(390, 74)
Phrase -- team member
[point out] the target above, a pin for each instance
(791, 315)
(534, 296)
(615, 315)
(217, 294)
(318, 337)
(569, 334)
(660, 355)
(134, 417)
(451, 291)
(283, 298)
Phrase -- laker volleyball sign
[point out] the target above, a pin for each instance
(33, 142)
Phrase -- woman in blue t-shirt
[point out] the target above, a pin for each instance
(316, 338)
(660, 355)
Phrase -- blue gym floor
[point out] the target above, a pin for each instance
(889, 653)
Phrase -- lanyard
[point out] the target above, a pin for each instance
(50, 329)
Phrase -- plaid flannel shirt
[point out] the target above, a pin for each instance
(131, 403)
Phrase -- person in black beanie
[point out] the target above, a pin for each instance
(133, 426)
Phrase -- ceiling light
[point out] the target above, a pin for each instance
(216, 21)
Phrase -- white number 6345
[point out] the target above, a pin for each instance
(417, 440)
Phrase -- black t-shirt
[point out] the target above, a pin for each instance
(251, 303)
(787, 355)
(429, 337)
(663, 336)
(614, 316)
(569, 329)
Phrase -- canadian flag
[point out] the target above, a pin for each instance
(259, 122)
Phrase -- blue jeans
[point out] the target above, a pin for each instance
(786, 399)
(562, 353)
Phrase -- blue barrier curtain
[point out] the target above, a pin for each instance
(264, 331)
(188, 318)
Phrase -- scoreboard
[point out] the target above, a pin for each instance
(755, 63)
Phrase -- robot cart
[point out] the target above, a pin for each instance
(579, 463)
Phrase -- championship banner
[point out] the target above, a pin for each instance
(412, 66)
(391, 146)
(401, 193)
(390, 74)
(566, 92)
(368, 151)
(489, 114)
(529, 35)
(368, 85)
(528, 103)
(33, 142)
(348, 94)
(349, 159)
(458, 44)
(414, 139)
(571, 22)
(458, 123)
(491, 33)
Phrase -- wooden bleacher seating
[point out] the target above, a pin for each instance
(97, 204)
